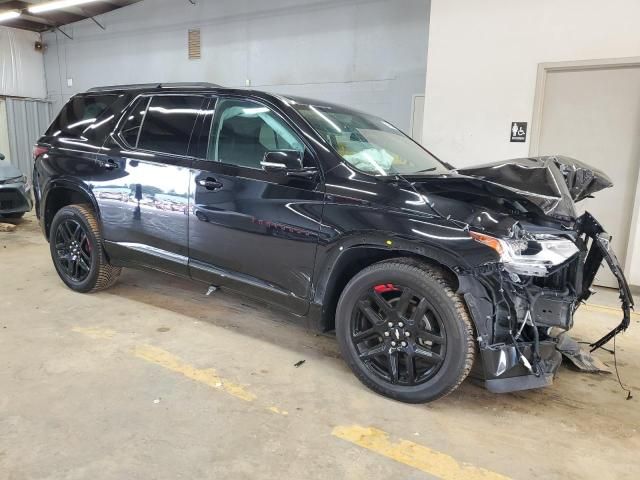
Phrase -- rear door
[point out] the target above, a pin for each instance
(253, 230)
(144, 205)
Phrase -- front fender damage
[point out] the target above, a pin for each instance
(521, 321)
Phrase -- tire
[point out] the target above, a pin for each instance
(94, 271)
(408, 355)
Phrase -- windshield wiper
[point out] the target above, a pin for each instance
(425, 170)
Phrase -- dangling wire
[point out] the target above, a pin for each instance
(615, 364)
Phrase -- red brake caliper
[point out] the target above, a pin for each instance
(385, 287)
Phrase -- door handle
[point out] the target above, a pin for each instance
(110, 164)
(209, 183)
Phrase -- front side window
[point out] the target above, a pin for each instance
(243, 131)
(369, 143)
(169, 122)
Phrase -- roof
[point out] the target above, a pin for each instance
(142, 88)
(41, 22)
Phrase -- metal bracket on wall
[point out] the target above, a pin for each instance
(64, 33)
(98, 23)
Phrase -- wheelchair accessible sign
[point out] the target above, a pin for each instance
(518, 131)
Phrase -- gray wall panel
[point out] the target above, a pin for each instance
(368, 54)
(26, 120)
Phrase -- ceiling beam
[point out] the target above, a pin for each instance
(34, 19)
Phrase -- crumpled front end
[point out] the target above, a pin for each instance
(548, 256)
(521, 310)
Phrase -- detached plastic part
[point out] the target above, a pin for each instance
(600, 250)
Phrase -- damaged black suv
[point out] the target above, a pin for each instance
(426, 273)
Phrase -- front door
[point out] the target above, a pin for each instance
(249, 229)
(144, 204)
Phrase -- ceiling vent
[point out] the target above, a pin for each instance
(194, 44)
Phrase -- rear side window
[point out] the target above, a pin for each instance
(79, 113)
(131, 126)
(168, 123)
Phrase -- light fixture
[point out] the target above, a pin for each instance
(9, 15)
(55, 5)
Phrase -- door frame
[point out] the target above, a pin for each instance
(536, 123)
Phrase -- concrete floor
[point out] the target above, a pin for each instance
(153, 380)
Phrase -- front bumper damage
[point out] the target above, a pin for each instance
(519, 320)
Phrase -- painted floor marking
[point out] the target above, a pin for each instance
(414, 455)
(169, 361)
(207, 376)
(95, 332)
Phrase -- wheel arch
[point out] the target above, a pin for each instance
(336, 274)
(59, 194)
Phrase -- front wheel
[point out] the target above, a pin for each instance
(404, 331)
(76, 248)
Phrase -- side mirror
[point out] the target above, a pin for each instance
(281, 161)
(1, 157)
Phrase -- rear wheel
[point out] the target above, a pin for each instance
(404, 331)
(76, 248)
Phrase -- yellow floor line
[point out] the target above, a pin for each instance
(591, 307)
(417, 456)
(169, 361)
(95, 332)
(206, 376)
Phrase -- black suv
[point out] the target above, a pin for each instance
(334, 215)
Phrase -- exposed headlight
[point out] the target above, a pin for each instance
(20, 179)
(534, 257)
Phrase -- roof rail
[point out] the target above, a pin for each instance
(190, 85)
(133, 86)
(144, 86)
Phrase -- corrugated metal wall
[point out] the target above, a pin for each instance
(26, 121)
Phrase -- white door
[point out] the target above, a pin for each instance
(593, 115)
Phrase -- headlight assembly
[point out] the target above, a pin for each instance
(534, 257)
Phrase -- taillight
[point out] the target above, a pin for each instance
(39, 150)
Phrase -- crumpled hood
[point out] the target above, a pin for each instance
(8, 171)
(553, 183)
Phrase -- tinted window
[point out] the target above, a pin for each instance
(243, 131)
(168, 124)
(131, 126)
(79, 113)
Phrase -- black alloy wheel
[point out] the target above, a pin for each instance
(75, 241)
(398, 334)
(73, 250)
(404, 331)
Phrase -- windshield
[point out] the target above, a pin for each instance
(369, 143)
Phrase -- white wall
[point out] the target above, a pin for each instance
(21, 66)
(482, 65)
(483, 58)
(369, 54)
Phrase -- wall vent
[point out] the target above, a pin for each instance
(194, 44)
